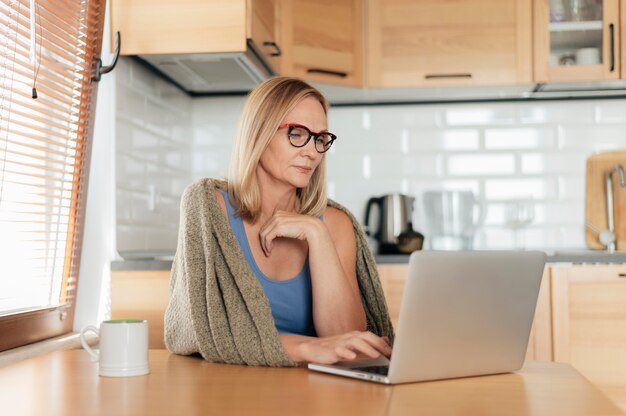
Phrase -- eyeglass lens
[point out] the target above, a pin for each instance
(299, 136)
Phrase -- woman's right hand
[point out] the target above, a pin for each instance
(344, 347)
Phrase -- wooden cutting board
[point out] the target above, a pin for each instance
(595, 195)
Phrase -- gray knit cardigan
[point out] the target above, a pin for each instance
(217, 306)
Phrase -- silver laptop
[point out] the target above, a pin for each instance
(462, 314)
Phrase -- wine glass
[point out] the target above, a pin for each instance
(518, 213)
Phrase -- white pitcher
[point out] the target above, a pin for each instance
(452, 218)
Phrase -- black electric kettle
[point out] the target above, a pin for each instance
(394, 232)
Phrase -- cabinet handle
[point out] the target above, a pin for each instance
(621, 275)
(612, 37)
(277, 51)
(327, 72)
(437, 76)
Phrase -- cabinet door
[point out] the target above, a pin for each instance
(141, 294)
(589, 324)
(323, 40)
(540, 341)
(179, 26)
(576, 40)
(444, 42)
(264, 30)
(393, 278)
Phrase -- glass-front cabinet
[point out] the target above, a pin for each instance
(576, 40)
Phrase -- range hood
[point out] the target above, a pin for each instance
(212, 73)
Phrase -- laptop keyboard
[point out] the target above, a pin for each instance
(376, 369)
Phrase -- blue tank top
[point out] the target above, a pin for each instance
(290, 300)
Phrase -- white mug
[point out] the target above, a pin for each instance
(123, 347)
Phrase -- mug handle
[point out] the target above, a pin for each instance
(95, 356)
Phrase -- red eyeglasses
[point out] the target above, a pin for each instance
(300, 135)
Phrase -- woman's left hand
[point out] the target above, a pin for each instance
(288, 225)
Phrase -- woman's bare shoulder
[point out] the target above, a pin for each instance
(337, 221)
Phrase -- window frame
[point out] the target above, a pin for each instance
(29, 326)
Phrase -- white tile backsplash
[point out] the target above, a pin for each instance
(481, 164)
(610, 111)
(483, 115)
(154, 135)
(519, 138)
(500, 151)
(554, 112)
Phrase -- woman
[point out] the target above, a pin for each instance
(267, 270)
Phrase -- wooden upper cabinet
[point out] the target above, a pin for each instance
(449, 42)
(195, 26)
(323, 40)
(577, 40)
(179, 26)
(263, 28)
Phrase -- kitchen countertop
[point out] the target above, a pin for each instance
(554, 256)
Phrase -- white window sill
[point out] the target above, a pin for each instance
(67, 341)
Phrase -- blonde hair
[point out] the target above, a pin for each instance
(267, 105)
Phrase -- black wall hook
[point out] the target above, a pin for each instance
(99, 69)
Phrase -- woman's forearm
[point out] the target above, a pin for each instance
(328, 350)
(293, 346)
(337, 306)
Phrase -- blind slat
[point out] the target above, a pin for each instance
(20, 97)
(63, 138)
(68, 69)
(71, 16)
(34, 145)
(41, 111)
(33, 175)
(28, 187)
(64, 145)
(52, 122)
(49, 36)
(50, 69)
(26, 71)
(37, 157)
(60, 56)
(54, 25)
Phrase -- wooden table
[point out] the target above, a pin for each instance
(66, 383)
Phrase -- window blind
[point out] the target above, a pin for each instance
(48, 49)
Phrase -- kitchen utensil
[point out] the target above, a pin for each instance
(452, 217)
(557, 11)
(596, 201)
(567, 59)
(518, 213)
(394, 217)
(410, 240)
(588, 56)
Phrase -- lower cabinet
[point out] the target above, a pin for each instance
(141, 294)
(589, 324)
(540, 340)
